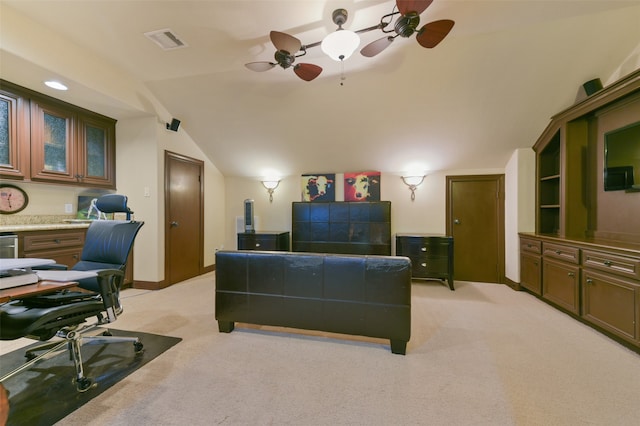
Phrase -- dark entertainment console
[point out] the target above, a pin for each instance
(431, 255)
(264, 240)
(342, 227)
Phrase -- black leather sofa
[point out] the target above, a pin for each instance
(349, 294)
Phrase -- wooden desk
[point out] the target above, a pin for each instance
(33, 289)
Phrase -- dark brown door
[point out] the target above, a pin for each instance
(475, 219)
(184, 225)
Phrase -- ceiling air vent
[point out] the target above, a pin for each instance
(166, 39)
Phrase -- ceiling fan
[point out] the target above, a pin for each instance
(285, 56)
(429, 36)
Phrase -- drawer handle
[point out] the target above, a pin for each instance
(571, 274)
(607, 263)
(558, 252)
(57, 241)
(257, 244)
(424, 265)
(589, 281)
(423, 248)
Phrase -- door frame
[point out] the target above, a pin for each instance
(168, 155)
(499, 179)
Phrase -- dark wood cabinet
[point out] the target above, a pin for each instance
(264, 240)
(14, 136)
(585, 254)
(612, 303)
(590, 279)
(48, 140)
(431, 255)
(531, 265)
(63, 246)
(561, 284)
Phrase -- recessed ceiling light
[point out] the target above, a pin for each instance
(56, 85)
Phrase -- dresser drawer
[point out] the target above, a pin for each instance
(428, 266)
(53, 240)
(620, 265)
(422, 247)
(561, 252)
(530, 246)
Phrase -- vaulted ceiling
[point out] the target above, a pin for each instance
(489, 88)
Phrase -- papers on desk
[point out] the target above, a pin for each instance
(23, 263)
(17, 277)
(51, 275)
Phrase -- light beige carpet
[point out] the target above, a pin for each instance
(482, 355)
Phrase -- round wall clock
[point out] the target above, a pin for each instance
(12, 199)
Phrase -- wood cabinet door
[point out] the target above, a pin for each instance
(561, 284)
(14, 136)
(530, 271)
(53, 147)
(96, 152)
(612, 304)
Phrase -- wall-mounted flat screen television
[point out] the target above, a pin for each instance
(622, 158)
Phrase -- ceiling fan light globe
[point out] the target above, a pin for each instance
(341, 44)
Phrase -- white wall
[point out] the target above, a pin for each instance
(141, 144)
(519, 206)
(424, 215)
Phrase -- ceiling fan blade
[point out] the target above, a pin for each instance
(285, 42)
(434, 32)
(307, 72)
(260, 66)
(375, 47)
(417, 6)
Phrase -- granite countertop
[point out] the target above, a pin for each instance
(42, 227)
(41, 223)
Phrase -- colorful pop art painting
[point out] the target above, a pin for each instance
(318, 187)
(362, 186)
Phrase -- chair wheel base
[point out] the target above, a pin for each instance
(84, 384)
(138, 347)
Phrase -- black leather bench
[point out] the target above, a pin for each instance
(349, 294)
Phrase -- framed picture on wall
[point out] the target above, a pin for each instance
(362, 186)
(318, 187)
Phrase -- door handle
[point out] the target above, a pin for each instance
(456, 221)
(173, 224)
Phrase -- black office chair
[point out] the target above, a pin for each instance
(63, 314)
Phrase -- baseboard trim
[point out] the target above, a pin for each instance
(150, 285)
(159, 285)
(514, 285)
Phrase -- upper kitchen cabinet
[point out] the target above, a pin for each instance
(71, 146)
(61, 143)
(14, 136)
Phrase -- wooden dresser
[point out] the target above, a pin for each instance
(431, 255)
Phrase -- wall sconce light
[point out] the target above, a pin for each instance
(413, 182)
(270, 186)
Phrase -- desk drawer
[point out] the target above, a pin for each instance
(560, 252)
(53, 240)
(530, 246)
(621, 265)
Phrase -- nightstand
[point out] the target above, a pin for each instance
(431, 255)
(264, 240)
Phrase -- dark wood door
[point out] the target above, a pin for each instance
(184, 224)
(475, 219)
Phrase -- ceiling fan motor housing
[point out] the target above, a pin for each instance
(284, 59)
(339, 17)
(407, 24)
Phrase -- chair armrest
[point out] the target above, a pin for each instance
(110, 281)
